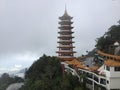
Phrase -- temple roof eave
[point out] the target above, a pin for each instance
(65, 42)
(66, 47)
(64, 31)
(65, 17)
(64, 27)
(65, 52)
(66, 37)
(66, 22)
(112, 63)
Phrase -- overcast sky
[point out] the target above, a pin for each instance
(28, 28)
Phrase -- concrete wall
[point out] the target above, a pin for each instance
(115, 83)
(114, 73)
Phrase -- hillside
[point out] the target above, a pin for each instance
(6, 80)
(46, 74)
(106, 42)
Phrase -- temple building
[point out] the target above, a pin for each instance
(103, 74)
(65, 37)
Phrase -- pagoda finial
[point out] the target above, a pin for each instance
(65, 9)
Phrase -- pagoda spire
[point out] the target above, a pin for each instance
(65, 9)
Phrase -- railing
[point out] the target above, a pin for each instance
(65, 36)
(65, 51)
(95, 78)
(66, 46)
(98, 79)
(69, 41)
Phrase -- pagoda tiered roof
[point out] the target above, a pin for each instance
(65, 16)
(65, 27)
(66, 22)
(65, 31)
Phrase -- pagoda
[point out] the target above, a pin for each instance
(65, 37)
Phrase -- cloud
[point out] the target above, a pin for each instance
(18, 66)
(28, 28)
(14, 68)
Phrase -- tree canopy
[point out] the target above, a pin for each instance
(46, 74)
(109, 38)
(6, 80)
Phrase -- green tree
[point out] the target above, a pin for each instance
(6, 80)
(109, 38)
(46, 74)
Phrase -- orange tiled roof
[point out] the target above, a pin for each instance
(94, 68)
(80, 66)
(69, 62)
(112, 63)
(76, 63)
(109, 55)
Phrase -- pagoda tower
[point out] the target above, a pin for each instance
(65, 37)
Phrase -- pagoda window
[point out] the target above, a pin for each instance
(66, 20)
(117, 68)
(66, 39)
(65, 44)
(65, 49)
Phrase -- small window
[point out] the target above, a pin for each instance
(117, 68)
(108, 68)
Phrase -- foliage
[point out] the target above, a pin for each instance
(109, 38)
(6, 80)
(46, 74)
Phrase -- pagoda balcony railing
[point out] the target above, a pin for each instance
(67, 46)
(65, 36)
(68, 36)
(67, 41)
(66, 51)
(66, 25)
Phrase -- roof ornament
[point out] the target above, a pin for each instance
(66, 10)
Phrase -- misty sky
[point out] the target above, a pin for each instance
(28, 28)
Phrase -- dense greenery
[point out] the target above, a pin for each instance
(109, 38)
(6, 80)
(46, 74)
